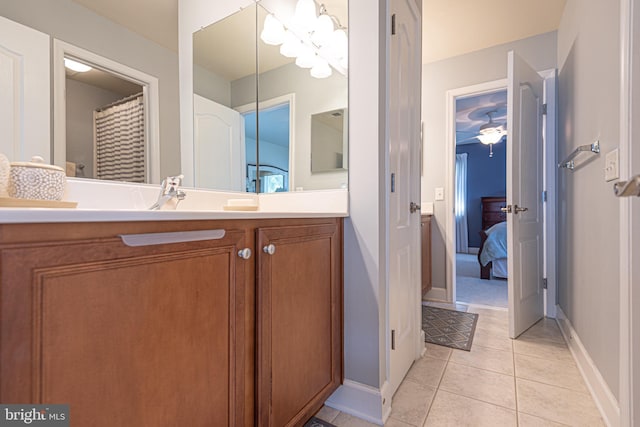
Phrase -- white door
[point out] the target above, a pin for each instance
(24, 92)
(524, 195)
(404, 165)
(218, 149)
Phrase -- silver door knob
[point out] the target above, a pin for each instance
(269, 249)
(516, 209)
(244, 253)
(414, 207)
(506, 209)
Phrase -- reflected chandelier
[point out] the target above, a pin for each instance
(317, 41)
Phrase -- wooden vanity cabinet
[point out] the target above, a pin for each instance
(299, 321)
(166, 334)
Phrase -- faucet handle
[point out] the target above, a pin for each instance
(172, 182)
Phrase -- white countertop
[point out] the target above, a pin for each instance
(104, 201)
(41, 215)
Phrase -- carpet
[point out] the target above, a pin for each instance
(317, 422)
(471, 289)
(448, 327)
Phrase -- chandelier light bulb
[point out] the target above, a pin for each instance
(339, 44)
(291, 46)
(273, 32)
(305, 16)
(323, 30)
(321, 69)
(306, 57)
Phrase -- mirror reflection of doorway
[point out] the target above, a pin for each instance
(272, 175)
(480, 190)
(105, 125)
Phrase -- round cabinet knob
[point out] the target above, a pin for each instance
(269, 249)
(244, 253)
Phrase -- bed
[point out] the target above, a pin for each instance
(492, 255)
(493, 251)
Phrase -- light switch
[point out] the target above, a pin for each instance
(439, 194)
(611, 166)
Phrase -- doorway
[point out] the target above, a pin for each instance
(481, 256)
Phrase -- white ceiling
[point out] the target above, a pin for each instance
(450, 27)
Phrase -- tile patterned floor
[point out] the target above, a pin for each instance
(529, 382)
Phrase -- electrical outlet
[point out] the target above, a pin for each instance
(611, 171)
(439, 194)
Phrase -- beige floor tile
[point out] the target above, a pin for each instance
(346, 420)
(487, 339)
(427, 371)
(495, 327)
(411, 402)
(487, 312)
(545, 329)
(526, 420)
(327, 414)
(488, 386)
(392, 422)
(558, 372)
(437, 351)
(557, 404)
(449, 306)
(485, 358)
(546, 349)
(452, 410)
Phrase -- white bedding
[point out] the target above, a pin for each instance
(499, 268)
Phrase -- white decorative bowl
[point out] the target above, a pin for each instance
(36, 180)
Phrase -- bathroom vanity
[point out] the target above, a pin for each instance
(195, 332)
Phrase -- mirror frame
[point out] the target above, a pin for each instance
(150, 88)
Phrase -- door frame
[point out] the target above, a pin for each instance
(151, 103)
(288, 98)
(629, 411)
(549, 170)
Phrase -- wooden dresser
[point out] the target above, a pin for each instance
(425, 238)
(491, 213)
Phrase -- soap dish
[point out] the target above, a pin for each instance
(240, 205)
(240, 208)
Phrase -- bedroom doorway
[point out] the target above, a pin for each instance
(480, 192)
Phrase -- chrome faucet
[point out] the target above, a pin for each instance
(169, 190)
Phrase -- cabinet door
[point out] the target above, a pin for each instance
(299, 321)
(127, 336)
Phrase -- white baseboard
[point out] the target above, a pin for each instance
(362, 401)
(436, 294)
(473, 251)
(604, 399)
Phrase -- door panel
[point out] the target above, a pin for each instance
(404, 163)
(524, 190)
(24, 85)
(299, 322)
(219, 151)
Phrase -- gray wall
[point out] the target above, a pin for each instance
(439, 77)
(82, 100)
(588, 213)
(74, 24)
(211, 86)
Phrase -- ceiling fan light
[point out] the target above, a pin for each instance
(273, 32)
(490, 137)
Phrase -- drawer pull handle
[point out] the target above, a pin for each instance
(269, 249)
(244, 253)
(148, 239)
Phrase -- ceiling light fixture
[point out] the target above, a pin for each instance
(491, 132)
(76, 66)
(310, 38)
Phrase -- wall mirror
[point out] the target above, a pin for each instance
(259, 76)
(329, 139)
